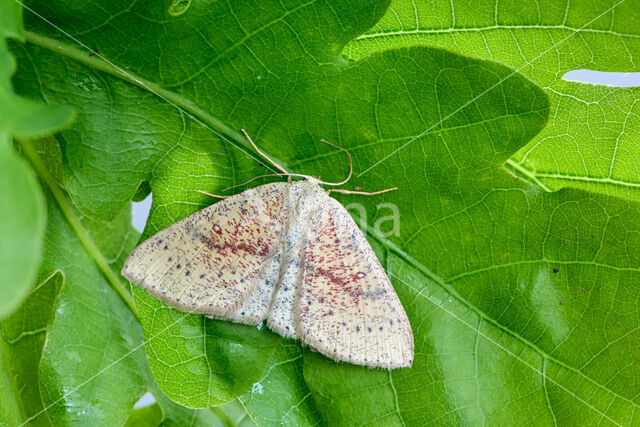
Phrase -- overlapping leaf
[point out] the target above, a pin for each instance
(591, 140)
(522, 302)
(54, 341)
(54, 365)
(72, 327)
(73, 351)
(22, 210)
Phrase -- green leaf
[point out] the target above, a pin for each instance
(168, 413)
(281, 395)
(52, 370)
(56, 372)
(522, 301)
(74, 328)
(147, 416)
(9, 407)
(22, 224)
(72, 356)
(23, 336)
(19, 116)
(591, 140)
(165, 412)
(22, 214)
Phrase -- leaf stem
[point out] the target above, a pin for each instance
(74, 221)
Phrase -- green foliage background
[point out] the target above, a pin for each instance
(517, 260)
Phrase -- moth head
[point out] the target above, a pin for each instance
(314, 181)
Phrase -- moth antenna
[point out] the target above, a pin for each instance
(256, 177)
(255, 147)
(364, 193)
(212, 195)
(350, 163)
(290, 175)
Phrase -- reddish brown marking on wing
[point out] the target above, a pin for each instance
(348, 308)
(327, 277)
(208, 261)
(259, 249)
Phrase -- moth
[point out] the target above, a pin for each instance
(286, 252)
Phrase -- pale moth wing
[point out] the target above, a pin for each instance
(222, 261)
(287, 253)
(348, 308)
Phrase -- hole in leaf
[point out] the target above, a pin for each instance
(147, 399)
(603, 78)
(141, 212)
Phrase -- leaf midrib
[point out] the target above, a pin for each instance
(537, 176)
(435, 31)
